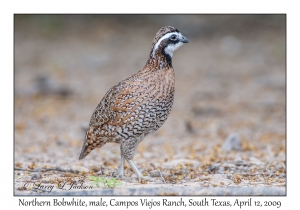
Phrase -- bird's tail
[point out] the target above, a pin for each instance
(83, 151)
(89, 144)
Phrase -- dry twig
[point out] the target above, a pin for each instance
(159, 172)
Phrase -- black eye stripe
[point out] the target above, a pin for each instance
(173, 37)
(172, 42)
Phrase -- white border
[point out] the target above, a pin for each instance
(8, 8)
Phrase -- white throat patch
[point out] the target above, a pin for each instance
(170, 48)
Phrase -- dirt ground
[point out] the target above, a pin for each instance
(227, 127)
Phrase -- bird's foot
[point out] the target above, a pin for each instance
(120, 175)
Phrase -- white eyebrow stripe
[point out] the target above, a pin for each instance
(162, 38)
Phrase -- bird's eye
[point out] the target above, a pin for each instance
(173, 37)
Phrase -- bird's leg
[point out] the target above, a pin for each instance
(121, 171)
(128, 148)
(136, 170)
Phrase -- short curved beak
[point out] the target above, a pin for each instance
(184, 40)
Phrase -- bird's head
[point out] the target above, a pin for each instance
(166, 41)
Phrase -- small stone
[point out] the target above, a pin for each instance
(240, 162)
(147, 155)
(134, 181)
(60, 142)
(255, 161)
(218, 178)
(228, 165)
(166, 174)
(221, 170)
(175, 163)
(148, 178)
(35, 177)
(180, 172)
(154, 173)
(236, 178)
(95, 168)
(79, 169)
(279, 166)
(232, 143)
(282, 176)
(213, 167)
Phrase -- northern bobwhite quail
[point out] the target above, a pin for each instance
(138, 105)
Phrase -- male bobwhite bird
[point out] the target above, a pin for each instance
(138, 105)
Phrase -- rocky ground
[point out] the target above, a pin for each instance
(226, 133)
